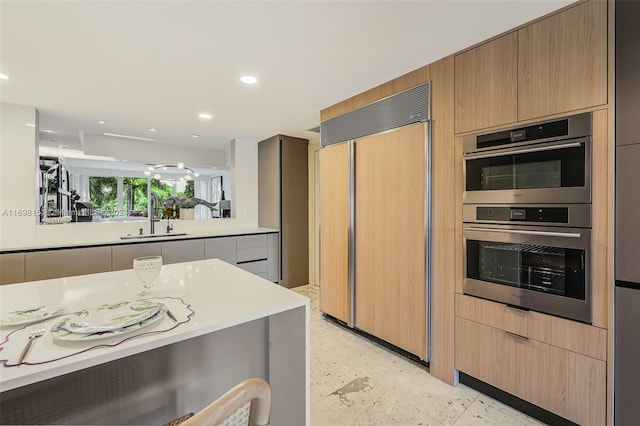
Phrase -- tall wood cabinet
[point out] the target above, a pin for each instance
(555, 65)
(334, 231)
(390, 291)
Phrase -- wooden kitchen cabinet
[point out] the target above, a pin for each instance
(12, 268)
(43, 265)
(390, 241)
(562, 62)
(553, 66)
(334, 231)
(486, 85)
(122, 255)
(566, 383)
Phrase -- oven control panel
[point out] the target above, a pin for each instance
(575, 215)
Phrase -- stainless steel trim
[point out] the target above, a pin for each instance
(352, 234)
(579, 215)
(525, 149)
(427, 236)
(524, 232)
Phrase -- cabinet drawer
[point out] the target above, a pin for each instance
(571, 335)
(568, 384)
(251, 253)
(258, 267)
(247, 241)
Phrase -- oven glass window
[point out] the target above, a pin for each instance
(553, 270)
(556, 168)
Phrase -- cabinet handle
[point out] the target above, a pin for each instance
(517, 336)
(519, 308)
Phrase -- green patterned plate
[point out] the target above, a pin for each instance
(29, 315)
(112, 316)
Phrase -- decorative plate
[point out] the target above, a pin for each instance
(29, 315)
(60, 332)
(111, 316)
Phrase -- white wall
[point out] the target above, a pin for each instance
(244, 180)
(18, 172)
(19, 191)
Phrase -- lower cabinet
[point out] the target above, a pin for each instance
(43, 265)
(182, 251)
(223, 248)
(569, 384)
(122, 256)
(12, 268)
(257, 253)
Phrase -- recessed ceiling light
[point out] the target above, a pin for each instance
(117, 135)
(205, 116)
(48, 130)
(151, 129)
(195, 136)
(147, 173)
(101, 122)
(62, 146)
(30, 124)
(248, 79)
(4, 76)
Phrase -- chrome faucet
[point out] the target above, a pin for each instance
(154, 206)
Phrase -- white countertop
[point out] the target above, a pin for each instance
(83, 234)
(221, 295)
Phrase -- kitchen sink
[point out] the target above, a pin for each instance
(135, 237)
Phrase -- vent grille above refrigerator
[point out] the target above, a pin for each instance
(408, 107)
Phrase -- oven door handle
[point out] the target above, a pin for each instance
(524, 232)
(474, 156)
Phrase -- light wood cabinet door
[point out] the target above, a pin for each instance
(390, 237)
(485, 84)
(44, 265)
(566, 383)
(334, 229)
(12, 268)
(562, 62)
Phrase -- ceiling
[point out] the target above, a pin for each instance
(158, 64)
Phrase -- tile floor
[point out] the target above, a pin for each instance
(355, 381)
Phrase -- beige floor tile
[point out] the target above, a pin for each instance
(355, 381)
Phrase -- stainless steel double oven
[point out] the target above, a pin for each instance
(527, 217)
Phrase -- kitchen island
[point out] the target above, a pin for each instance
(233, 325)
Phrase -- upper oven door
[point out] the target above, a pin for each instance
(552, 172)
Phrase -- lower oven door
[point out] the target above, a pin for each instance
(544, 269)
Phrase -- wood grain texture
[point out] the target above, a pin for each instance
(485, 84)
(562, 61)
(571, 335)
(390, 237)
(397, 85)
(564, 382)
(334, 228)
(443, 223)
(602, 198)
